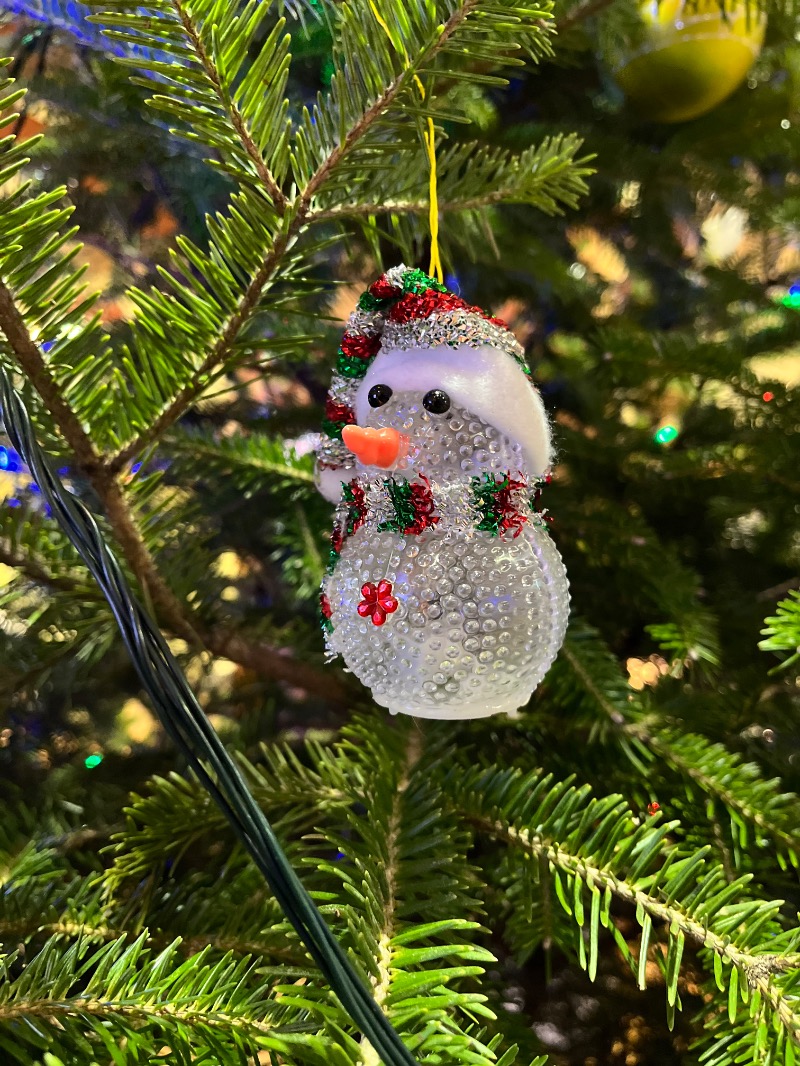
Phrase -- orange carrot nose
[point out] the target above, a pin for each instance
(375, 447)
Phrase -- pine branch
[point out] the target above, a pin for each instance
(597, 847)
(53, 1011)
(738, 785)
(219, 354)
(264, 660)
(381, 981)
(21, 929)
(177, 815)
(80, 990)
(384, 101)
(782, 631)
(756, 967)
(29, 358)
(255, 461)
(177, 616)
(749, 798)
(472, 176)
(272, 187)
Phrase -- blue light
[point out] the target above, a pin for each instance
(34, 488)
(794, 290)
(13, 501)
(63, 471)
(136, 468)
(9, 460)
(47, 345)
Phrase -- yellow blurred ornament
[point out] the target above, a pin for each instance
(692, 57)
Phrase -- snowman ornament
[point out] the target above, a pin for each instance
(445, 594)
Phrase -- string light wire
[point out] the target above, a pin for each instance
(189, 728)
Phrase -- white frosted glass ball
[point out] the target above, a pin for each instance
(477, 623)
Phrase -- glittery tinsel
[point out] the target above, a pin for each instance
(325, 614)
(483, 498)
(368, 302)
(453, 328)
(351, 368)
(400, 494)
(417, 281)
(359, 346)
(497, 502)
(337, 416)
(366, 323)
(337, 540)
(506, 501)
(413, 507)
(383, 288)
(353, 496)
(422, 304)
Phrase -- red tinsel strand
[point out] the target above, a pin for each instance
(339, 412)
(431, 302)
(506, 501)
(325, 606)
(427, 303)
(383, 289)
(422, 502)
(358, 507)
(356, 346)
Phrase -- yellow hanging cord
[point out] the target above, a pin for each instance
(433, 196)
(435, 268)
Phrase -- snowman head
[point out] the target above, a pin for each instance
(428, 384)
(453, 410)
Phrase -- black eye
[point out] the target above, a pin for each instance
(436, 401)
(378, 395)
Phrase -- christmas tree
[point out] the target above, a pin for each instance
(194, 195)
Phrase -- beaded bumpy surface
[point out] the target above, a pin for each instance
(481, 592)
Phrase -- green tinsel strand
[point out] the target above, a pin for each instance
(326, 624)
(417, 281)
(368, 302)
(483, 496)
(353, 509)
(351, 367)
(333, 429)
(400, 495)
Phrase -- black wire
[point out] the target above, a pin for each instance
(190, 731)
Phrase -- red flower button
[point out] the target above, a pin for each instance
(378, 602)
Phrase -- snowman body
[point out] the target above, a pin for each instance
(446, 595)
